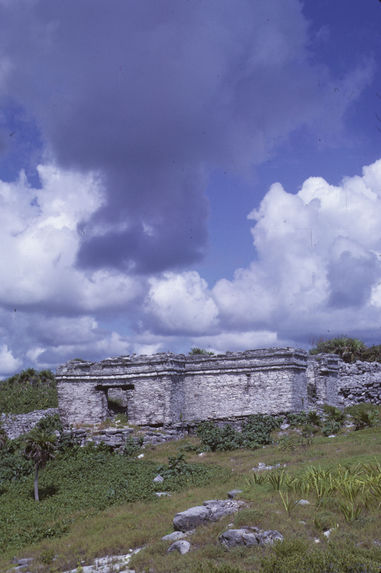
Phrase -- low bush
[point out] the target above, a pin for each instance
(216, 438)
(364, 415)
(131, 447)
(256, 431)
(331, 413)
(50, 424)
(333, 420)
(178, 467)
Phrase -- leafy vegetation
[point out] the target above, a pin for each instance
(131, 447)
(364, 415)
(200, 351)
(349, 349)
(27, 391)
(95, 502)
(256, 432)
(77, 482)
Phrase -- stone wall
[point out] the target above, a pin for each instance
(16, 425)
(359, 382)
(167, 389)
(175, 392)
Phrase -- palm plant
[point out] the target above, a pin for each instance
(40, 447)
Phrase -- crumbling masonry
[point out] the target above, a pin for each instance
(169, 389)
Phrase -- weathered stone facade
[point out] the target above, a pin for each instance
(168, 389)
(359, 382)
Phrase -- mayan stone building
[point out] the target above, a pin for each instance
(168, 389)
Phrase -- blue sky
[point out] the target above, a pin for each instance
(187, 173)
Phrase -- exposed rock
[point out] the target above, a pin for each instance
(182, 546)
(191, 518)
(211, 510)
(109, 563)
(20, 564)
(263, 467)
(175, 535)
(233, 493)
(249, 536)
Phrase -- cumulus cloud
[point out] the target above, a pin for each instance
(317, 271)
(318, 264)
(8, 363)
(180, 303)
(129, 111)
(40, 236)
(47, 304)
(155, 96)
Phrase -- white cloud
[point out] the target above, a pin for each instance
(317, 271)
(8, 363)
(40, 236)
(181, 303)
(318, 264)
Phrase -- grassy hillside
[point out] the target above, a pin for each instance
(27, 391)
(96, 503)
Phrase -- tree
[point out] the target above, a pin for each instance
(40, 447)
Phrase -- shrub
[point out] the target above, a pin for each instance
(331, 427)
(179, 472)
(50, 424)
(313, 418)
(333, 414)
(349, 349)
(215, 438)
(297, 418)
(256, 432)
(131, 447)
(364, 415)
(257, 429)
(200, 351)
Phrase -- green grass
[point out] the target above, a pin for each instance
(78, 484)
(96, 504)
(27, 391)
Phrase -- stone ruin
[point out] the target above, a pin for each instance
(165, 390)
